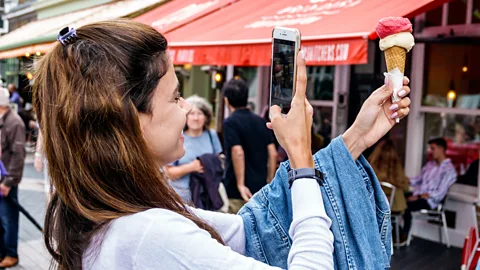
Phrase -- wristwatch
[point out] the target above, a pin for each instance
(295, 174)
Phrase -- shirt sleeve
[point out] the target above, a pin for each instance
(15, 167)
(229, 226)
(447, 178)
(217, 146)
(231, 135)
(417, 180)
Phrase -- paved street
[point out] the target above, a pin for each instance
(32, 252)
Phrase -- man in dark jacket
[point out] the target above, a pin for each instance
(13, 157)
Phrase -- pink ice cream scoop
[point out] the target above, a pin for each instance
(393, 25)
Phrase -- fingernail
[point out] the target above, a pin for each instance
(408, 80)
(402, 93)
(394, 107)
(303, 53)
(394, 115)
(386, 81)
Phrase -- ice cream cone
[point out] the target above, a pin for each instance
(395, 57)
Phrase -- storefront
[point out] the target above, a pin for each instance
(445, 81)
(335, 38)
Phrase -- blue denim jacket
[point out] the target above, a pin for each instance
(353, 200)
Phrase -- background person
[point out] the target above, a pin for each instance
(199, 140)
(15, 96)
(431, 186)
(13, 157)
(250, 150)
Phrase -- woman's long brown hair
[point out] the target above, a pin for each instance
(87, 96)
(386, 163)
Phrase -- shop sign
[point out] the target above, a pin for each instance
(303, 14)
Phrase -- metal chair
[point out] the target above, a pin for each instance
(436, 215)
(394, 216)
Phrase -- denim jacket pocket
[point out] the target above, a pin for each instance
(268, 241)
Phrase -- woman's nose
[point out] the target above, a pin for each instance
(186, 107)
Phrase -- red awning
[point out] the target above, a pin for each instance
(176, 13)
(333, 31)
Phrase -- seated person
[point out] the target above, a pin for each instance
(388, 168)
(431, 186)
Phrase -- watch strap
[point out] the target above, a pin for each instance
(295, 174)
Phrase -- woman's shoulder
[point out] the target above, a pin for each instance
(212, 131)
(139, 234)
(146, 218)
(149, 226)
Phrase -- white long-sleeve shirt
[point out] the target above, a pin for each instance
(162, 239)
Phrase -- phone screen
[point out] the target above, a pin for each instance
(283, 67)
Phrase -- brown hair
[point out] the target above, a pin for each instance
(87, 96)
(387, 165)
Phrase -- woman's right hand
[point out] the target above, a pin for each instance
(293, 132)
(196, 166)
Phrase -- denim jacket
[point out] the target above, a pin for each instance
(353, 200)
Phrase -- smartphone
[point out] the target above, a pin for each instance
(285, 47)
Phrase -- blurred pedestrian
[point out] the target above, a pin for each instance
(13, 156)
(249, 146)
(199, 140)
(15, 96)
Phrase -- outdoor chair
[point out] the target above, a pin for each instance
(436, 215)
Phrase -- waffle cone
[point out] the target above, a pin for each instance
(395, 57)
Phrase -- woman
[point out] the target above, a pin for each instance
(107, 97)
(388, 168)
(199, 140)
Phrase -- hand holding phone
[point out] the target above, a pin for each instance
(293, 130)
(285, 47)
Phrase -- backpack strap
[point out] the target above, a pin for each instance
(211, 140)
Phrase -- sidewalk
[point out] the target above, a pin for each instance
(32, 252)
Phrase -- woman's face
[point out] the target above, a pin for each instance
(163, 128)
(196, 119)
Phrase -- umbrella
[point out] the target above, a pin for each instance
(25, 212)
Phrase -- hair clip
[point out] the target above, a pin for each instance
(67, 36)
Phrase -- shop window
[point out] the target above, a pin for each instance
(452, 81)
(476, 11)
(462, 133)
(249, 75)
(434, 17)
(320, 82)
(457, 12)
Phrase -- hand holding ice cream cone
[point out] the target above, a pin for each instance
(396, 40)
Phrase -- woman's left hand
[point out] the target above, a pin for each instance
(376, 118)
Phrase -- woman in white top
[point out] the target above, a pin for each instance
(107, 97)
